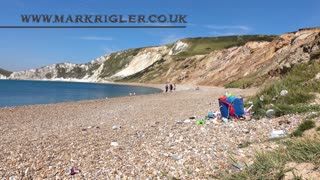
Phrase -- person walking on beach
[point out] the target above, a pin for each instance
(171, 87)
(167, 87)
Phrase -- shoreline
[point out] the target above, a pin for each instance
(180, 87)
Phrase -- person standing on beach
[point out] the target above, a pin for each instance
(167, 87)
(174, 87)
(171, 87)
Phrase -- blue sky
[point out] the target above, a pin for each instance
(30, 48)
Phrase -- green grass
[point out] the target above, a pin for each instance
(306, 125)
(5, 72)
(205, 45)
(299, 83)
(117, 62)
(271, 165)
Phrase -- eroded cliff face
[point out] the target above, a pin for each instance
(145, 58)
(252, 62)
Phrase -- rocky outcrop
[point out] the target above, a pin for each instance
(178, 47)
(250, 59)
(3, 76)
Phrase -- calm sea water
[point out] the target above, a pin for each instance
(17, 93)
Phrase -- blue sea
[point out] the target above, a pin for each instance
(18, 92)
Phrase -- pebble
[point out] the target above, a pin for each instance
(114, 144)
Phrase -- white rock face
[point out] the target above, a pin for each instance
(178, 47)
(73, 72)
(142, 60)
(3, 76)
(43, 73)
(95, 76)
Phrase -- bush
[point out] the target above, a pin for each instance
(306, 125)
(297, 133)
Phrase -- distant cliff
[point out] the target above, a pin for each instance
(4, 74)
(235, 61)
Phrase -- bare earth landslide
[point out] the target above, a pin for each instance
(45, 141)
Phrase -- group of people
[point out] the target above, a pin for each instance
(171, 87)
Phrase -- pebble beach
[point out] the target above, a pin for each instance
(133, 137)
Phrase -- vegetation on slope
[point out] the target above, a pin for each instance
(117, 62)
(206, 45)
(5, 72)
(301, 84)
(76, 72)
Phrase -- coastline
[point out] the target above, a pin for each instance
(45, 141)
(180, 87)
(158, 87)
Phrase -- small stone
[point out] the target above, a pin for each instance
(116, 127)
(114, 144)
(177, 157)
(187, 121)
(179, 122)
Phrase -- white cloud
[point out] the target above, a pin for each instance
(95, 38)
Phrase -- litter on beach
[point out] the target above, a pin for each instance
(277, 134)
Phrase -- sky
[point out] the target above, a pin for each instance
(22, 49)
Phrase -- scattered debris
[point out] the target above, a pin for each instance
(73, 171)
(116, 127)
(277, 134)
(270, 113)
(283, 92)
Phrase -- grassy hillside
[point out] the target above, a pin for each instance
(5, 72)
(204, 45)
